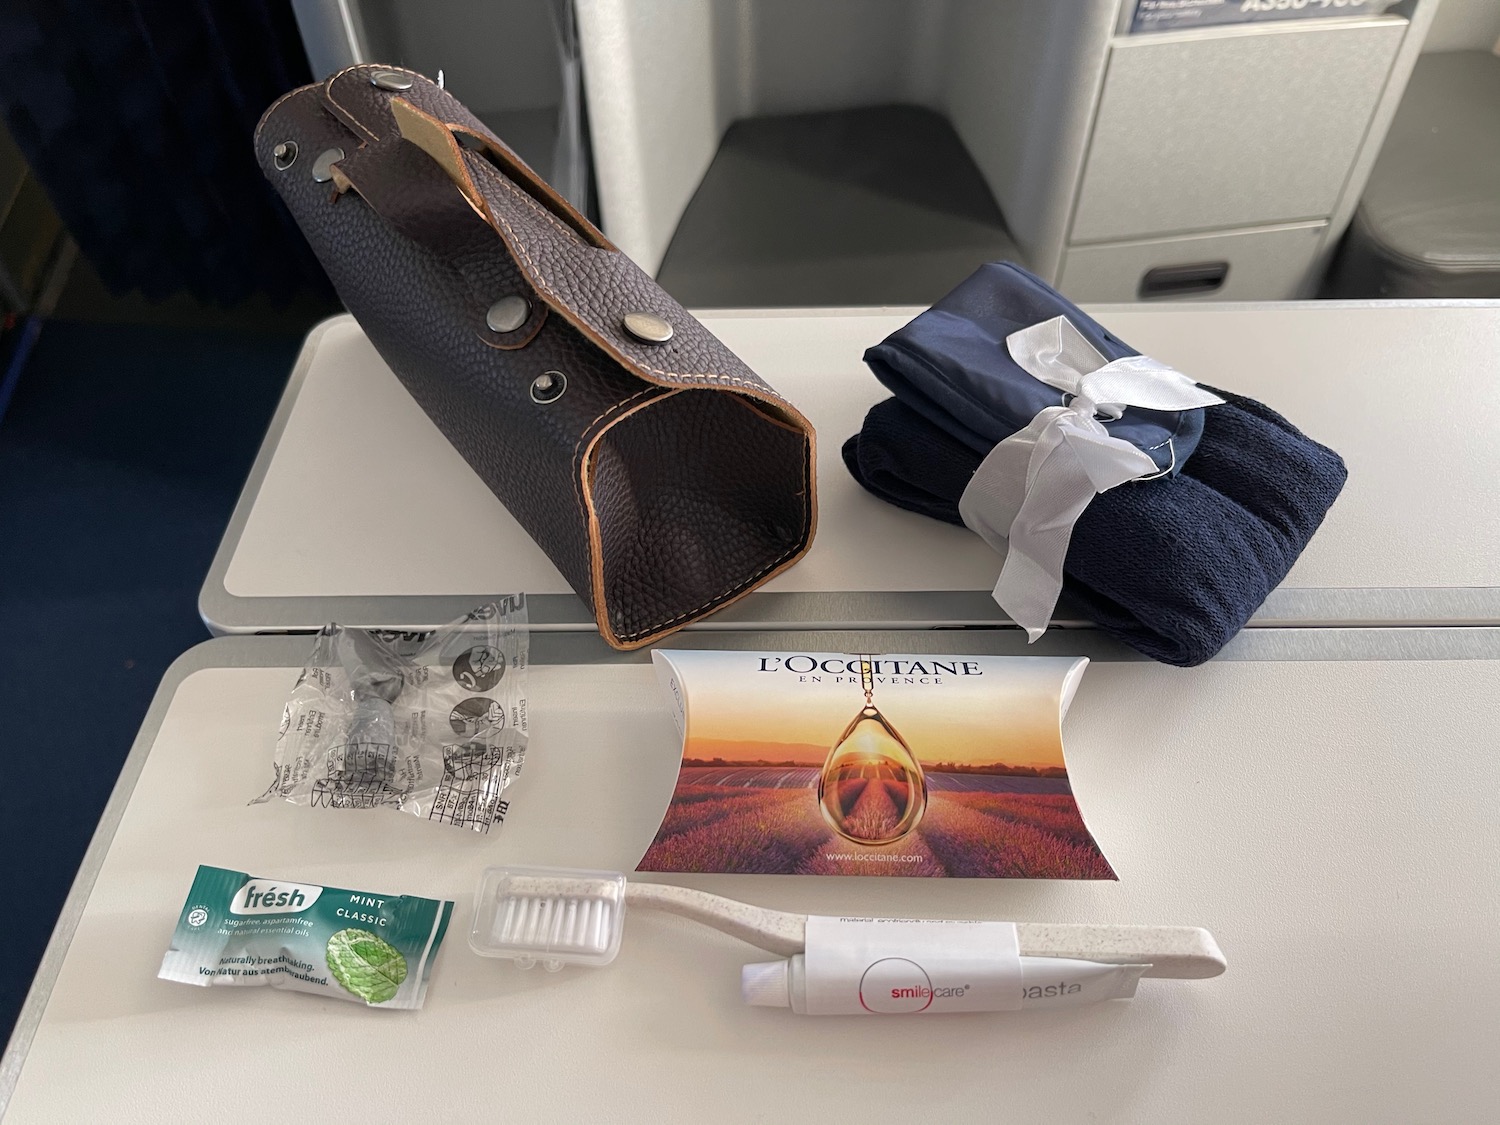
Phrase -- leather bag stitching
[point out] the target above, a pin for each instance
(741, 586)
(344, 114)
(536, 275)
(540, 281)
(665, 625)
(265, 118)
(537, 278)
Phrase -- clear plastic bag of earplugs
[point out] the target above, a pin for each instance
(429, 723)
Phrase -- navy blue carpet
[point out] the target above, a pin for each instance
(121, 455)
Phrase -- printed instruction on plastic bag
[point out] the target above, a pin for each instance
(430, 723)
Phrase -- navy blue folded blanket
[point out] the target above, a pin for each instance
(1174, 566)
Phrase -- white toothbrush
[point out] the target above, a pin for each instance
(559, 916)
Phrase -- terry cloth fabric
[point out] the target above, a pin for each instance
(1173, 567)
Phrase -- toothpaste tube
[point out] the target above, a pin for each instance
(239, 929)
(895, 966)
(1046, 982)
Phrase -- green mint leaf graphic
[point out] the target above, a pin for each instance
(370, 968)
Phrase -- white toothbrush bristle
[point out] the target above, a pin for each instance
(502, 931)
(541, 923)
(549, 917)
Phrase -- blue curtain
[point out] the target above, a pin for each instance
(137, 115)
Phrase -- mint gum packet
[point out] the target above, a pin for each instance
(240, 929)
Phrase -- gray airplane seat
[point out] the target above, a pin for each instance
(1428, 224)
(880, 205)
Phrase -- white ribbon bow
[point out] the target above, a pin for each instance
(1031, 488)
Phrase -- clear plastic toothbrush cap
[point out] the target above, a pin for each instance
(554, 916)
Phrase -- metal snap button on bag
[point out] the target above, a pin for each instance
(392, 80)
(284, 154)
(658, 506)
(322, 169)
(647, 328)
(507, 314)
(548, 387)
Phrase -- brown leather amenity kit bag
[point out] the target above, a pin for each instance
(661, 475)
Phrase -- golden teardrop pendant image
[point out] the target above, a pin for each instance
(872, 790)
